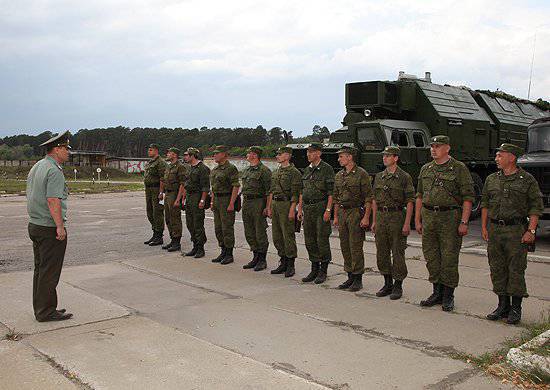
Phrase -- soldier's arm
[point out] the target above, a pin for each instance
(330, 189)
(418, 203)
(204, 184)
(366, 190)
(409, 199)
(467, 192)
(234, 187)
(266, 180)
(535, 207)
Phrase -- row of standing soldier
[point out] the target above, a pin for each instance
(511, 204)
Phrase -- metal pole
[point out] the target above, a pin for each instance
(532, 62)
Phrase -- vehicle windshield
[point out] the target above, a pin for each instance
(539, 139)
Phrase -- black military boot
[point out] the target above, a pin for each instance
(200, 251)
(252, 263)
(262, 262)
(156, 240)
(220, 256)
(347, 283)
(514, 316)
(313, 274)
(281, 268)
(502, 309)
(167, 246)
(322, 274)
(192, 252)
(151, 239)
(397, 291)
(176, 245)
(357, 283)
(290, 271)
(387, 288)
(448, 301)
(435, 299)
(228, 259)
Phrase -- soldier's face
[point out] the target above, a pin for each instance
(62, 153)
(219, 157)
(389, 159)
(313, 155)
(282, 157)
(439, 150)
(344, 159)
(504, 160)
(186, 157)
(170, 155)
(152, 152)
(252, 157)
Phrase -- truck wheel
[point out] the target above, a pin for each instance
(478, 187)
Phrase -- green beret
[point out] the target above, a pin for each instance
(511, 148)
(255, 149)
(61, 139)
(284, 149)
(154, 146)
(440, 140)
(173, 149)
(348, 149)
(316, 146)
(220, 149)
(193, 152)
(392, 149)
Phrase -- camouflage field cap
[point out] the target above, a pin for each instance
(316, 146)
(193, 151)
(284, 149)
(154, 146)
(173, 149)
(220, 149)
(255, 149)
(61, 139)
(511, 148)
(348, 149)
(392, 149)
(440, 140)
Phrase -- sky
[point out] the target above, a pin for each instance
(70, 64)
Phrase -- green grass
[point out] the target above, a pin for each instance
(84, 173)
(12, 186)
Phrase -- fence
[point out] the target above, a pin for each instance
(17, 163)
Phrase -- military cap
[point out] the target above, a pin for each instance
(284, 149)
(193, 151)
(255, 149)
(440, 140)
(316, 146)
(392, 149)
(173, 149)
(220, 149)
(348, 149)
(154, 146)
(511, 148)
(61, 139)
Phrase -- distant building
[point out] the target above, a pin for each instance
(87, 158)
(127, 164)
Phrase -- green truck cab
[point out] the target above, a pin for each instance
(409, 111)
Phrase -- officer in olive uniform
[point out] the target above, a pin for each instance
(197, 188)
(256, 179)
(225, 188)
(314, 209)
(352, 198)
(172, 185)
(509, 197)
(47, 208)
(284, 194)
(154, 171)
(443, 205)
(392, 210)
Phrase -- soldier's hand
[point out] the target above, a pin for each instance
(201, 204)
(265, 212)
(300, 215)
(269, 212)
(485, 234)
(528, 238)
(291, 215)
(364, 222)
(161, 196)
(335, 221)
(406, 230)
(176, 203)
(60, 233)
(230, 207)
(373, 227)
(326, 216)
(418, 226)
(462, 229)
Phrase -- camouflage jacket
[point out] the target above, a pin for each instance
(353, 188)
(287, 182)
(224, 177)
(199, 178)
(317, 182)
(154, 171)
(256, 180)
(174, 175)
(393, 189)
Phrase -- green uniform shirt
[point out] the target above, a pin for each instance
(393, 189)
(353, 188)
(224, 177)
(45, 181)
(318, 182)
(174, 175)
(154, 171)
(199, 178)
(514, 196)
(256, 180)
(448, 184)
(286, 181)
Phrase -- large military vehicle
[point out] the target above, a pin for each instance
(409, 111)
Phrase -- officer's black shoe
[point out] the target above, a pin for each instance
(290, 271)
(192, 252)
(502, 309)
(262, 262)
(56, 316)
(151, 239)
(156, 240)
(448, 301)
(200, 252)
(435, 299)
(252, 263)
(220, 256)
(387, 288)
(397, 291)
(322, 274)
(347, 283)
(176, 245)
(315, 265)
(514, 316)
(228, 259)
(357, 283)
(167, 246)
(281, 268)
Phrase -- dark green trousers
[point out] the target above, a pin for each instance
(194, 218)
(224, 222)
(352, 236)
(317, 232)
(391, 244)
(282, 229)
(255, 224)
(155, 211)
(48, 261)
(172, 215)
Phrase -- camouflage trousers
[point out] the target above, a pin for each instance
(155, 211)
(194, 218)
(172, 215)
(391, 244)
(507, 259)
(441, 245)
(224, 222)
(317, 232)
(282, 230)
(255, 224)
(352, 236)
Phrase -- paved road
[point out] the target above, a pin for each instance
(148, 319)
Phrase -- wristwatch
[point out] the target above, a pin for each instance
(533, 231)
(202, 201)
(463, 223)
(327, 210)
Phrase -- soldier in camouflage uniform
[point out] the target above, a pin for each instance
(443, 205)
(256, 179)
(225, 188)
(352, 197)
(286, 184)
(197, 188)
(154, 171)
(509, 197)
(172, 185)
(393, 192)
(314, 209)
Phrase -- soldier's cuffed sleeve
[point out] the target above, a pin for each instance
(535, 205)
(466, 184)
(182, 174)
(366, 188)
(55, 184)
(409, 189)
(266, 180)
(272, 185)
(161, 166)
(204, 179)
(295, 185)
(329, 180)
(234, 177)
(485, 195)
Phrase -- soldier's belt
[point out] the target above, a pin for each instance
(314, 201)
(220, 194)
(440, 208)
(167, 190)
(386, 209)
(281, 198)
(509, 222)
(250, 197)
(349, 207)
(156, 185)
